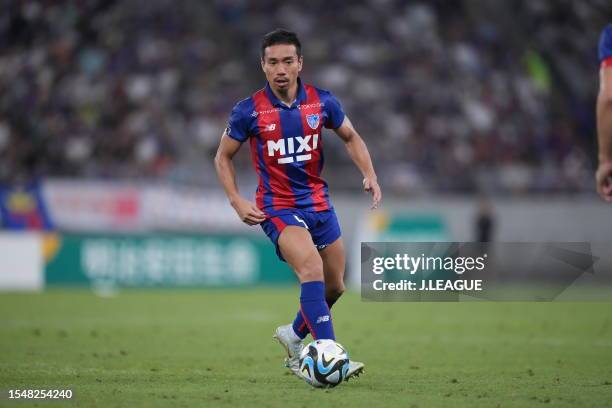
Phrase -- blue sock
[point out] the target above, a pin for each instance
(299, 324)
(314, 312)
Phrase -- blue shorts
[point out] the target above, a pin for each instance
(322, 225)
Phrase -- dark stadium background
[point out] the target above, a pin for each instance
(501, 93)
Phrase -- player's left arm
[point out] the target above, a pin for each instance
(360, 155)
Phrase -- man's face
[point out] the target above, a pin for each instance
(282, 66)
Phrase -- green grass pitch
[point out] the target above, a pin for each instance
(214, 348)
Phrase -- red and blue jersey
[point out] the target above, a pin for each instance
(287, 146)
(605, 47)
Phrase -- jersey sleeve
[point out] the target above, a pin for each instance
(335, 114)
(605, 46)
(237, 126)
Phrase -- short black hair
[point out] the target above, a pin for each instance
(281, 36)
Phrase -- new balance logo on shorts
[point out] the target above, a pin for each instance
(322, 319)
(287, 146)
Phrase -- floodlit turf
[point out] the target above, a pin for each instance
(214, 348)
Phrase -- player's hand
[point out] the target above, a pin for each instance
(370, 185)
(248, 212)
(603, 178)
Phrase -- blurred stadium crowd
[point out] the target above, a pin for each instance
(450, 96)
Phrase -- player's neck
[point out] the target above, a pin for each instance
(288, 97)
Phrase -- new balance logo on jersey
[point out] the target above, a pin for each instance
(287, 146)
(270, 128)
(322, 319)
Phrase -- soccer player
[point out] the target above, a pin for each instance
(283, 124)
(603, 176)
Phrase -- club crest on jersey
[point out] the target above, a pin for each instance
(313, 120)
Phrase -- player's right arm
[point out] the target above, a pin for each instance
(603, 177)
(246, 210)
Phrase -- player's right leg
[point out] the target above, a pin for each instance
(296, 246)
(297, 249)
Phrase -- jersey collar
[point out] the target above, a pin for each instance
(301, 95)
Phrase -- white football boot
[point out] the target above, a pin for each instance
(293, 345)
(355, 370)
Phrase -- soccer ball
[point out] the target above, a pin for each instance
(324, 363)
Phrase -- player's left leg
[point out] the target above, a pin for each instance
(334, 263)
